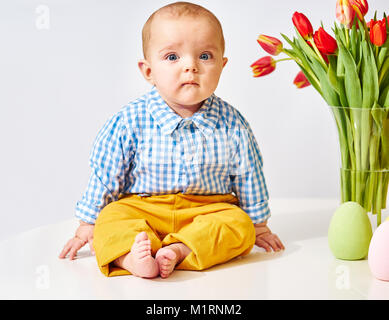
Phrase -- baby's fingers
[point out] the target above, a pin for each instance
(66, 249)
(77, 245)
(279, 243)
(92, 250)
(263, 244)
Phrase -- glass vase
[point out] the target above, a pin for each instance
(364, 149)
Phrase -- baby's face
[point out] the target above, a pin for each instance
(185, 58)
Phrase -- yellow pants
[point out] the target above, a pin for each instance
(212, 226)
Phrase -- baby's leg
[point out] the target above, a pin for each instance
(139, 260)
(169, 256)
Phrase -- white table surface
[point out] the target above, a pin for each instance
(31, 269)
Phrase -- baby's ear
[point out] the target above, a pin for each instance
(225, 61)
(145, 69)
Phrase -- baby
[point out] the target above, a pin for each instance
(177, 179)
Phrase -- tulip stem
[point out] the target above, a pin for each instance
(318, 54)
(284, 59)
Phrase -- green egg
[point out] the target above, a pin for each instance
(350, 232)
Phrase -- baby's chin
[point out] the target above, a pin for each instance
(189, 102)
(192, 97)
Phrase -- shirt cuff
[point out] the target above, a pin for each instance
(86, 213)
(258, 213)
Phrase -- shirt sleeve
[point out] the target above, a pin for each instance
(110, 161)
(247, 178)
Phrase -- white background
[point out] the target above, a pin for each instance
(58, 85)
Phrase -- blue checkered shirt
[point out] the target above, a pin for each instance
(148, 149)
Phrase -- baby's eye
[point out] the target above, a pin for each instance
(172, 57)
(205, 56)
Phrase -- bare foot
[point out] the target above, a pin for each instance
(139, 260)
(168, 257)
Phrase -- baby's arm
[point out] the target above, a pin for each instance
(108, 176)
(266, 239)
(83, 235)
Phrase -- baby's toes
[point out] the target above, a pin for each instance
(144, 242)
(142, 236)
(164, 272)
(144, 246)
(166, 263)
(136, 247)
(141, 251)
(163, 264)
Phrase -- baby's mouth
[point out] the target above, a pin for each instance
(190, 83)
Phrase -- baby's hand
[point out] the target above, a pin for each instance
(266, 239)
(84, 234)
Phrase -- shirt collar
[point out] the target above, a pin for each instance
(205, 118)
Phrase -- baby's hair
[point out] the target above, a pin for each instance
(176, 10)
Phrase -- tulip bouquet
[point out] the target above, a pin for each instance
(351, 73)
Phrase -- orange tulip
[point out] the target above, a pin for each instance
(361, 7)
(271, 45)
(301, 80)
(263, 66)
(303, 25)
(378, 32)
(325, 42)
(345, 13)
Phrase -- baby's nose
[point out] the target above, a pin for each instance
(190, 66)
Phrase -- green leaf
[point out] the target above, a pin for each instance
(383, 74)
(304, 64)
(305, 67)
(359, 58)
(369, 77)
(340, 67)
(382, 56)
(352, 83)
(378, 114)
(305, 47)
(312, 81)
(385, 144)
(337, 82)
(339, 35)
(374, 73)
(384, 98)
(353, 41)
(329, 94)
(332, 77)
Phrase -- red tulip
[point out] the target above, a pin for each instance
(271, 45)
(378, 32)
(301, 80)
(325, 57)
(372, 21)
(385, 20)
(325, 42)
(361, 7)
(345, 13)
(263, 66)
(303, 25)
